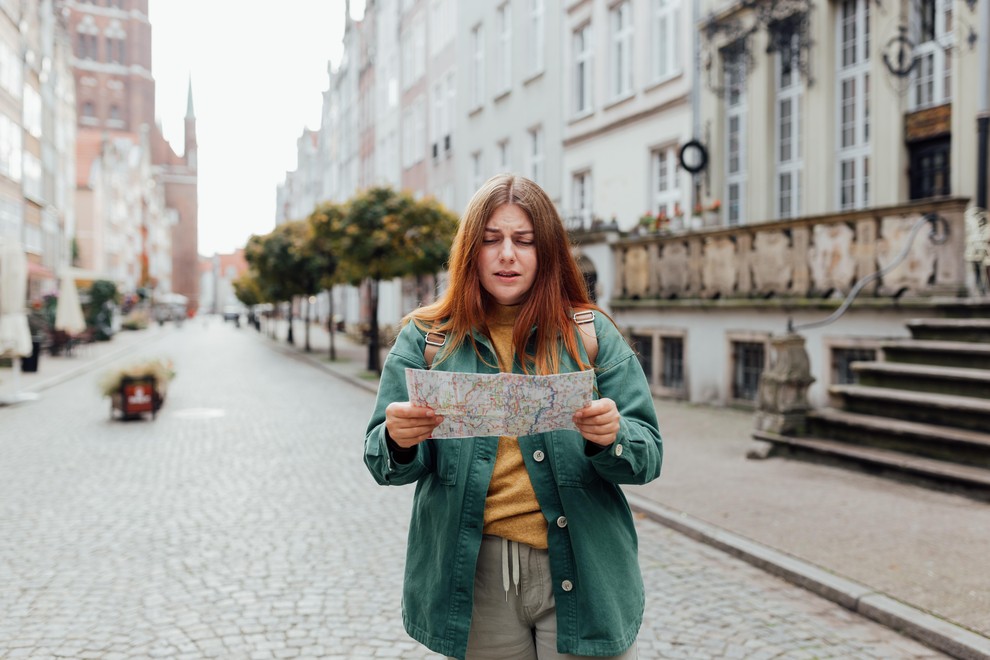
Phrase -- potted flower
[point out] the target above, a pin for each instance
(138, 387)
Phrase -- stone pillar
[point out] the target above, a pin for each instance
(782, 404)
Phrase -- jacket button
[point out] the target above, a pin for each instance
(538, 456)
(618, 450)
(566, 585)
(562, 521)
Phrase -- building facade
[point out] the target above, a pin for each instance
(115, 98)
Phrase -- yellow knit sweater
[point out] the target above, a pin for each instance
(511, 508)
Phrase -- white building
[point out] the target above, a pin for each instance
(509, 94)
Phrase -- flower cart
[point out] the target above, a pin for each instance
(137, 389)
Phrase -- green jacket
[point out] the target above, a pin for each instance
(591, 536)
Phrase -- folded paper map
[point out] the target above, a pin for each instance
(500, 404)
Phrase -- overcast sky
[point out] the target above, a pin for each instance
(258, 73)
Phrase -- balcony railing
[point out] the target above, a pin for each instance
(810, 257)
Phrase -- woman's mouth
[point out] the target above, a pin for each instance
(506, 274)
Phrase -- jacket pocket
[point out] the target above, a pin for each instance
(572, 467)
(448, 457)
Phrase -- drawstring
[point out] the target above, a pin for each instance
(507, 548)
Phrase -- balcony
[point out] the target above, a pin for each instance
(780, 263)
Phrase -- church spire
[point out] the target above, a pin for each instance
(191, 145)
(189, 102)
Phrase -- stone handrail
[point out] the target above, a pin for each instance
(810, 257)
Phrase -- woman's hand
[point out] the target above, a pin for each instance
(409, 425)
(598, 422)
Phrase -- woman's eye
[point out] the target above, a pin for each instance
(525, 242)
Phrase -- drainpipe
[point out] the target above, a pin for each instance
(983, 108)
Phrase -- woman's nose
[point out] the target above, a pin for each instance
(507, 254)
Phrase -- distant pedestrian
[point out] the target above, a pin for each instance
(525, 547)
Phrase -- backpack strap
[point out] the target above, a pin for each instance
(585, 321)
(434, 342)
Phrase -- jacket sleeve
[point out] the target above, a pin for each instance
(637, 453)
(392, 387)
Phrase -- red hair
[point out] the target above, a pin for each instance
(558, 290)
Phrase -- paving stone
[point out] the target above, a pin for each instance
(258, 533)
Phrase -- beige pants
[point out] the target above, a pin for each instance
(511, 625)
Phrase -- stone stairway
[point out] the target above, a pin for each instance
(921, 412)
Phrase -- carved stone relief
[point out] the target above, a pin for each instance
(771, 263)
(832, 262)
(916, 271)
(719, 273)
(674, 266)
(637, 271)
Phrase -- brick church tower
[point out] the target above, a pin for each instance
(115, 97)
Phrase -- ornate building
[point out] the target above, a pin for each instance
(115, 98)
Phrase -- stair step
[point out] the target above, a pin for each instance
(954, 324)
(928, 371)
(966, 330)
(927, 399)
(960, 381)
(931, 432)
(935, 352)
(936, 470)
(927, 407)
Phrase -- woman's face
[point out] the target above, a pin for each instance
(507, 262)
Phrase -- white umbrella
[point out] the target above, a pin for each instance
(68, 313)
(15, 335)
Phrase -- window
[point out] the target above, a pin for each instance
(477, 67)
(477, 171)
(504, 156)
(11, 71)
(672, 351)
(748, 360)
(536, 36)
(32, 177)
(582, 70)
(665, 45)
(620, 50)
(853, 93)
(32, 111)
(788, 133)
(534, 165)
(929, 168)
(581, 196)
(438, 127)
(665, 172)
(87, 109)
(10, 148)
(842, 359)
(642, 345)
(734, 63)
(931, 77)
(503, 58)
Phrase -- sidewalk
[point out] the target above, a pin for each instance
(907, 557)
(54, 369)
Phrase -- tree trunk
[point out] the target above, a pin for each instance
(309, 321)
(290, 338)
(331, 328)
(374, 364)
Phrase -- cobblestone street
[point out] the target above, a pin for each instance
(241, 523)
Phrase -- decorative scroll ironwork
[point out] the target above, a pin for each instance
(786, 23)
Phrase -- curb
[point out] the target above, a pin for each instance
(926, 628)
(315, 362)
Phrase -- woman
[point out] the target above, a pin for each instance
(524, 547)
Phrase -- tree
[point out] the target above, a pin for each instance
(286, 265)
(386, 234)
(326, 222)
